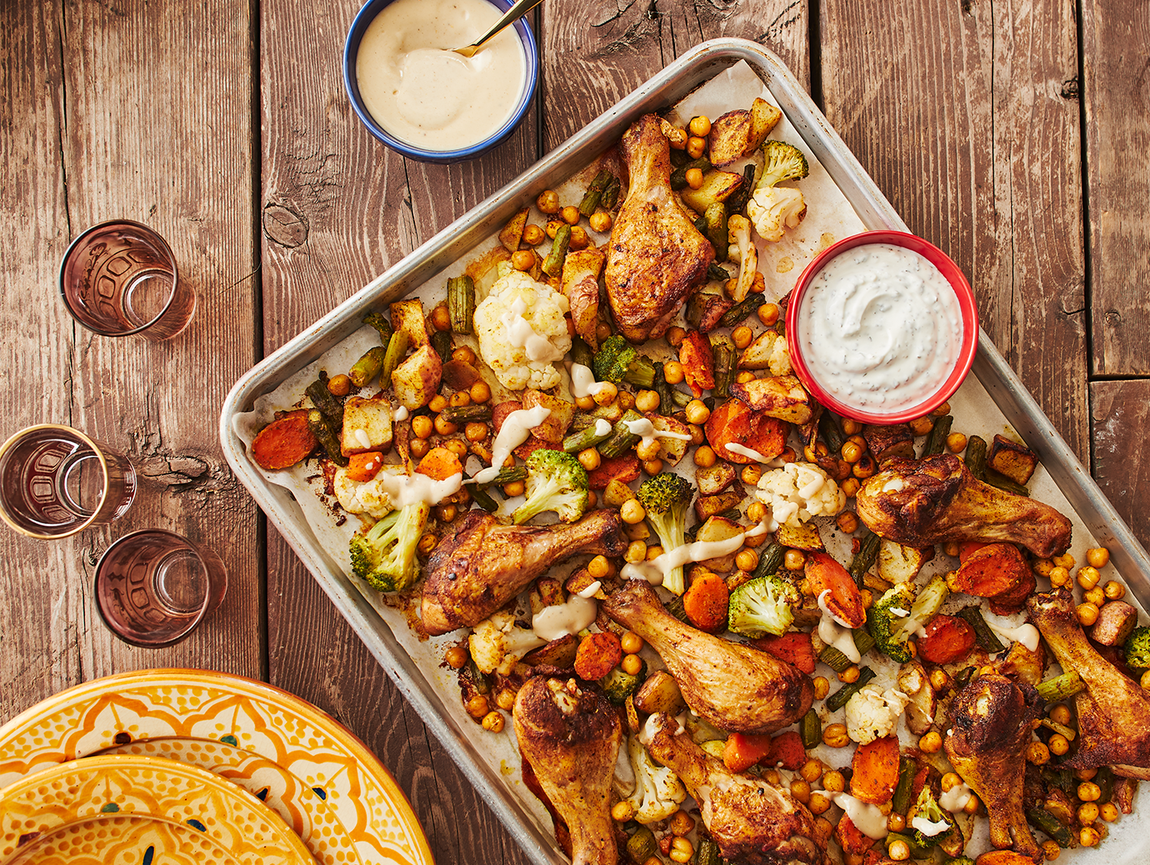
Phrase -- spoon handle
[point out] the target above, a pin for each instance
(517, 11)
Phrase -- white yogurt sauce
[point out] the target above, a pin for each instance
(648, 433)
(743, 450)
(656, 570)
(404, 490)
(583, 382)
(570, 617)
(422, 92)
(514, 432)
(955, 799)
(835, 632)
(522, 335)
(880, 328)
(868, 819)
(1026, 634)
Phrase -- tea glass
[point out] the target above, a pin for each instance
(119, 278)
(153, 587)
(56, 481)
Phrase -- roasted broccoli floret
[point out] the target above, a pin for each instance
(384, 555)
(617, 360)
(899, 613)
(762, 606)
(555, 482)
(666, 498)
(781, 161)
(925, 818)
(619, 685)
(1138, 649)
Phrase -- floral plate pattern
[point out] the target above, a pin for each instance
(85, 791)
(120, 839)
(296, 803)
(246, 714)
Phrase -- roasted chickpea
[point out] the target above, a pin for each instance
(1087, 614)
(921, 426)
(850, 487)
(694, 177)
(681, 823)
(523, 259)
(533, 235)
(742, 336)
(339, 385)
(579, 238)
(835, 736)
(632, 512)
(647, 400)
(1087, 813)
(819, 803)
(443, 427)
(1060, 714)
(746, 560)
(515, 488)
(834, 782)
(822, 687)
(769, 314)
(493, 722)
(587, 403)
(705, 456)
(477, 706)
(1059, 577)
(590, 459)
(1064, 561)
(1108, 812)
(600, 568)
(930, 743)
(847, 522)
(1096, 596)
(480, 392)
(673, 372)
(850, 675)
(750, 474)
(464, 354)
(699, 126)
(1089, 792)
(456, 657)
(696, 146)
(570, 214)
(801, 790)
(851, 427)
(852, 452)
(636, 552)
(756, 512)
(675, 336)
(422, 426)
(552, 227)
(625, 400)
(438, 403)
(1098, 557)
(1051, 850)
(1058, 744)
(419, 448)
(1042, 567)
(622, 811)
(652, 467)
(794, 560)
(600, 221)
(943, 409)
(653, 552)
(441, 317)
(606, 394)
(698, 436)
(427, 543)
(548, 201)
(1037, 753)
(459, 399)
(956, 443)
(1114, 590)
(1088, 836)
(898, 850)
(697, 412)
(812, 770)
(648, 450)
(939, 680)
(1088, 577)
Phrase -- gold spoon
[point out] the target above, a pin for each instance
(517, 11)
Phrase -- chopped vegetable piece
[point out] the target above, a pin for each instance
(705, 602)
(598, 654)
(461, 303)
(744, 750)
(824, 574)
(1060, 687)
(986, 638)
(947, 639)
(698, 362)
(794, 648)
(763, 606)
(840, 697)
(284, 442)
(874, 771)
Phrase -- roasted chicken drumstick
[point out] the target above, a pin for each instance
(936, 499)
(735, 687)
(1113, 712)
(752, 821)
(655, 256)
(485, 563)
(990, 725)
(570, 737)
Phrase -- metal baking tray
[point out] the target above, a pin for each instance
(692, 69)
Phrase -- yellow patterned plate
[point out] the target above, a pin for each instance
(113, 838)
(81, 792)
(243, 713)
(296, 803)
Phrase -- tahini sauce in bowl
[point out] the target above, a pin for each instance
(422, 92)
(882, 327)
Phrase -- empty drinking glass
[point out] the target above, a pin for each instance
(119, 278)
(154, 587)
(56, 481)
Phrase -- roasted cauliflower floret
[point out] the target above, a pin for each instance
(364, 497)
(522, 330)
(774, 209)
(797, 492)
(497, 643)
(872, 713)
(658, 790)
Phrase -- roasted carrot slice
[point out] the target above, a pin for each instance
(365, 466)
(598, 653)
(698, 362)
(965, 548)
(794, 648)
(439, 464)
(851, 838)
(744, 750)
(284, 442)
(995, 569)
(623, 468)
(787, 751)
(1003, 857)
(734, 422)
(875, 771)
(705, 602)
(845, 601)
(947, 639)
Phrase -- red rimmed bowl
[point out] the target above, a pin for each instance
(875, 334)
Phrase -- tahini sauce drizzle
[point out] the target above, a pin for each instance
(425, 94)
(570, 617)
(404, 490)
(835, 632)
(880, 327)
(514, 432)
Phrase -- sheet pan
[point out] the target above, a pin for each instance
(995, 380)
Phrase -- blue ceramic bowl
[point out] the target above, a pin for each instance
(351, 82)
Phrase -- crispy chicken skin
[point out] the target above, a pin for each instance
(936, 499)
(1113, 712)
(752, 821)
(485, 563)
(735, 687)
(570, 736)
(655, 256)
(991, 720)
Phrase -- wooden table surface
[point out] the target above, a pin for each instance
(1013, 135)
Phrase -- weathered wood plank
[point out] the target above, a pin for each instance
(338, 209)
(594, 54)
(101, 116)
(965, 117)
(1116, 94)
(1120, 416)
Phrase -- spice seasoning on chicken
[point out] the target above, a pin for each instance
(880, 328)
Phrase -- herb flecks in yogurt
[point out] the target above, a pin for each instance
(880, 328)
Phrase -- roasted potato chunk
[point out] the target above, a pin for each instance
(717, 186)
(888, 442)
(1009, 458)
(512, 233)
(416, 380)
(407, 315)
(554, 427)
(782, 397)
(739, 133)
(719, 529)
(366, 425)
(898, 563)
(580, 284)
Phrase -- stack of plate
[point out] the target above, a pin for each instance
(188, 766)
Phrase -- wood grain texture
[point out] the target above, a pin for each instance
(963, 114)
(1116, 93)
(1120, 415)
(596, 53)
(339, 209)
